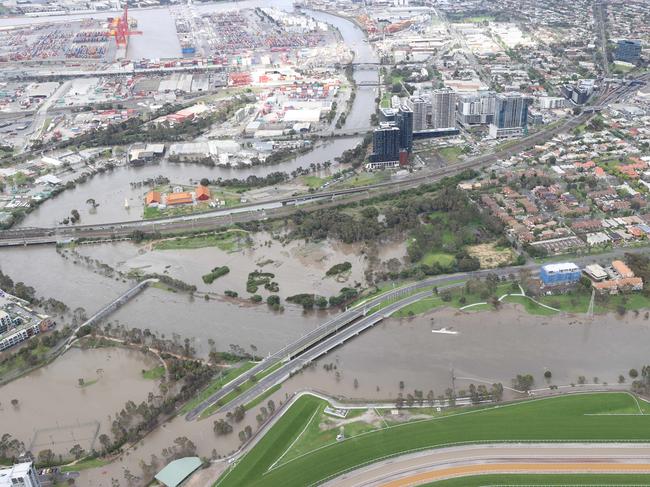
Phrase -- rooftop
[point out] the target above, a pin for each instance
(178, 470)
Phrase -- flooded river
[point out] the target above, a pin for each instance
(491, 346)
(110, 190)
(55, 412)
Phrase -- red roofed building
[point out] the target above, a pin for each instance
(202, 193)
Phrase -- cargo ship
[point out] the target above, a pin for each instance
(187, 47)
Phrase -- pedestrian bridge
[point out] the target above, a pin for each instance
(111, 307)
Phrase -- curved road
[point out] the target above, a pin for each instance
(529, 458)
(352, 322)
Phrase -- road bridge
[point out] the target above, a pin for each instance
(321, 340)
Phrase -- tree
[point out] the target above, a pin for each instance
(77, 452)
(14, 403)
(497, 391)
(205, 182)
(548, 375)
(105, 441)
(45, 457)
(222, 427)
(523, 382)
(239, 413)
(634, 373)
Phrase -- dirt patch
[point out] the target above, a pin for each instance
(490, 256)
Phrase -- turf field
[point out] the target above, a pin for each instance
(584, 417)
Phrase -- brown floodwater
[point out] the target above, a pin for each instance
(298, 266)
(54, 277)
(55, 412)
(491, 346)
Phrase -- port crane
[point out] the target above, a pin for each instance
(120, 28)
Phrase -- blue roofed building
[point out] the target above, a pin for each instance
(559, 274)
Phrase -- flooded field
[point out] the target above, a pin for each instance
(53, 277)
(298, 266)
(55, 412)
(491, 346)
(111, 189)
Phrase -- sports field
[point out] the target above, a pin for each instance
(548, 480)
(582, 417)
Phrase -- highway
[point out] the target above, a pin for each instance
(354, 321)
(528, 458)
(274, 207)
(284, 206)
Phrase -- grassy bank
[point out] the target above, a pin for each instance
(235, 393)
(583, 417)
(216, 385)
(228, 241)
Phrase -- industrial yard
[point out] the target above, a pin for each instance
(86, 40)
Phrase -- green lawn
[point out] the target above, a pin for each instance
(314, 181)
(547, 480)
(228, 241)
(441, 258)
(452, 154)
(365, 179)
(457, 301)
(154, 374)
(529, 306)
(568, 418)
(85, 464)
(216, 385)
(260, 399)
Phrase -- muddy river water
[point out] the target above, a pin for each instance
(55, 412)
(489, 346)
(110, 190)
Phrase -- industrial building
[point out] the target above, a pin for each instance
(560, 274)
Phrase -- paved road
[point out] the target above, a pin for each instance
(275, 208)
(351, 323)
(438, 464)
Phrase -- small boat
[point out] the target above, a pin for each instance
(126, 203)
(445, 331)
